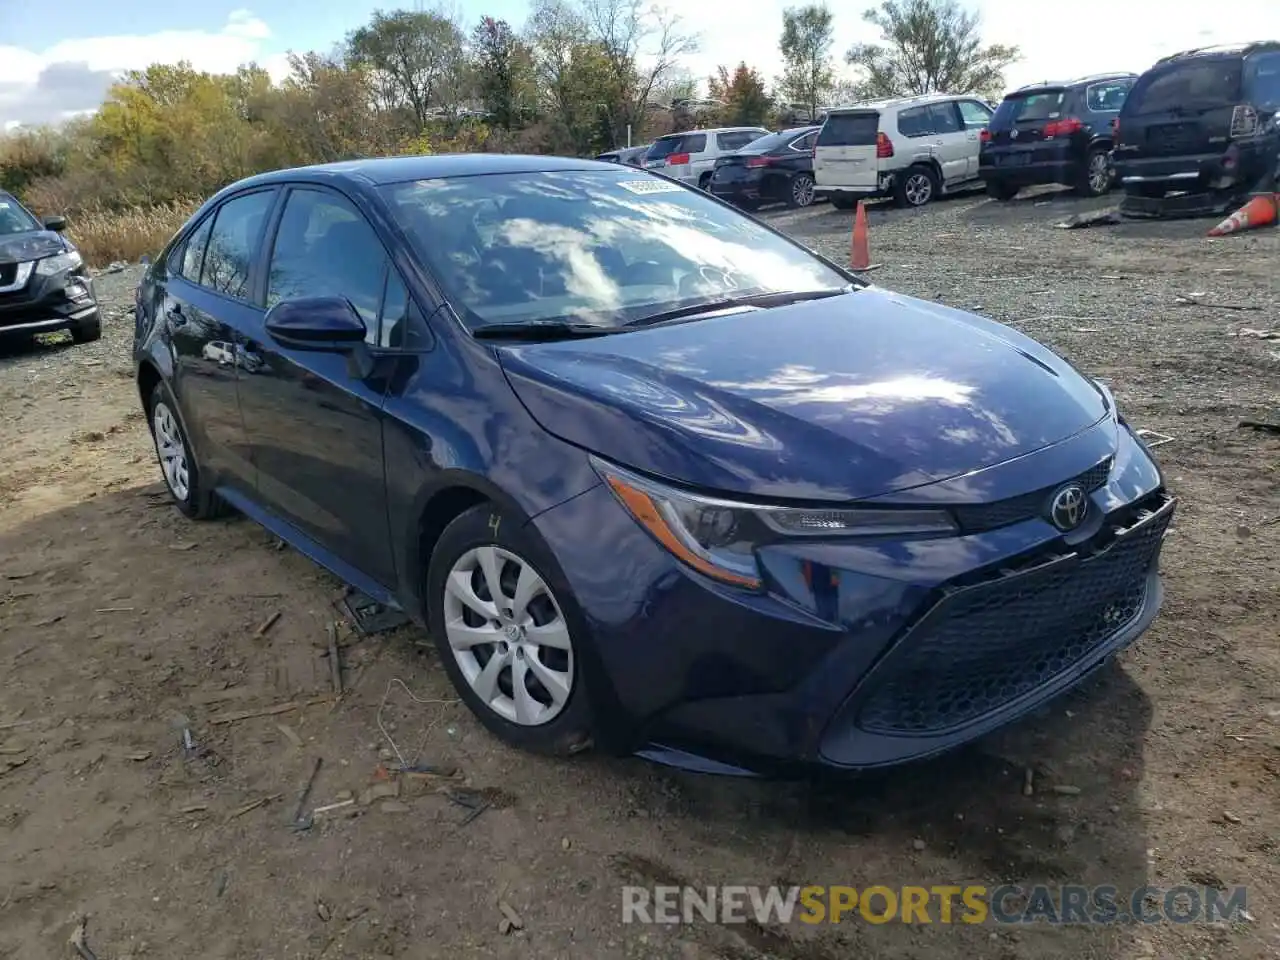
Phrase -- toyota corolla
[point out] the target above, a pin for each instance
(653, 476)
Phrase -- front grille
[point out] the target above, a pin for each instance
(975, 518)
(986, 644)
(8, 273)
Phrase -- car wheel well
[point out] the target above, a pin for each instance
(148, 377)
(442, 509)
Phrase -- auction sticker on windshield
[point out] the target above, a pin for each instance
(650, 186)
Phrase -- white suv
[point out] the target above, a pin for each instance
(915, 149)
(690, 156)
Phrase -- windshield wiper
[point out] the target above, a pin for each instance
(753, 300)
(541, 330)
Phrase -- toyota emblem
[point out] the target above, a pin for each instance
(1068, 507)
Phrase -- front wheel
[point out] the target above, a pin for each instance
(509, 633)
(88, 329)
(704, 182)
(1001, 190)
(915, 187)
(801, 192)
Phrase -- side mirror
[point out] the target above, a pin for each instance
(316, 323)
(57, 224)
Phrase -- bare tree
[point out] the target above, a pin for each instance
(417, 60)
(642, 45)
(807, 37)
(929, 46)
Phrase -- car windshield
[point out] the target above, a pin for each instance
(605, 247)
(14, 217)
(1029, 108)
(1195, 84)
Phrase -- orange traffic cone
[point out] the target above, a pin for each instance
(1258, 212)
(860, 244)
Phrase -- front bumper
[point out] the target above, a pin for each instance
(860, 654)
(48, 304)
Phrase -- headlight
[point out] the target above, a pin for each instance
(719, 537)
(52, 266)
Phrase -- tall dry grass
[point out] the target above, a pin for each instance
(106, 236)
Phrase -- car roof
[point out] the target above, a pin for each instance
(384, 170)
(685, 133)
(1224, 50)
(887, 102)
(1078, 81)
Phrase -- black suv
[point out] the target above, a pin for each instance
(1054, 133)
(44, 285)
(1199, 131)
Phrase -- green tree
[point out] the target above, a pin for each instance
(416, 60)
(504, 72)
(929, 46)
(807, 37)
(747, 102)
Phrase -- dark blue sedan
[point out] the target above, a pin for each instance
(654, 476)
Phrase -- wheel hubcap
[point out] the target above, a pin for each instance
(1099, 173)
(172, 451)
(802, 191)
(508, 636)
(918, 189)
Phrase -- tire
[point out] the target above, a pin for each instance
(704, 181)
(1002, 190)
(191, 498)
(915, 186)
(843, 203)
(486, 542)
(800, 191)
(88, 329)
(1096, 174)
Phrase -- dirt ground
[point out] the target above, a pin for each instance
(122, 624)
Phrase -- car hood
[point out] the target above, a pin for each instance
(34, 245)
(844, 398)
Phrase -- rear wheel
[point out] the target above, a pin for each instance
(509, 633)
(1095, 174)
(800, 193)
(1001, 190)
(915, 187)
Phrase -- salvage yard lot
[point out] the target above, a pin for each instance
(121, 624)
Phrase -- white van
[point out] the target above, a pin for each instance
(691, 156)
(914, 149)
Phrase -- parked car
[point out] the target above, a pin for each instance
(691, 156)
(1199, 131)
(631, 156)
(44, 284)
(653, 475)
(914, 149)
(777, 167)
(1054, 133)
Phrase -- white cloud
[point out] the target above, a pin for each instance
(72, 76)
(1098, 35)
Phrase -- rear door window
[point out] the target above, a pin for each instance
(1107, 97)
(849, 130)
(915, 122)
(189, 264)
(234, 243)
(735, 140)
(944, 118)
(1195, 84)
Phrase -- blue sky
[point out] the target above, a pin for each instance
(52, 65)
